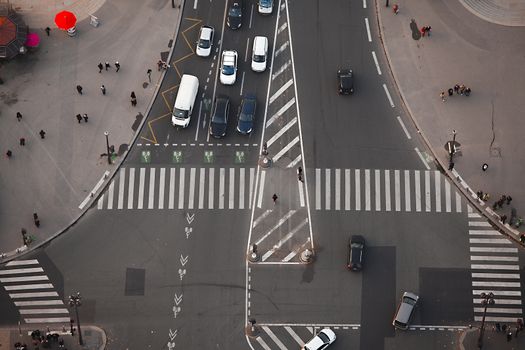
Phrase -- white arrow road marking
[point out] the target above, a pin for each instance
(172, 334)
(178, 299)
(183, 260)
(190, 218)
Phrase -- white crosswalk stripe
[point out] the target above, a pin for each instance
(380, 189)
(39, 299)
(493, 272)
(180, 188)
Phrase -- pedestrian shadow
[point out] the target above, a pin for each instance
(138, 120)
(416, 34)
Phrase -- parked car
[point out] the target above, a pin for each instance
(356, 249)
(345, 79)
(259, 53)
(228, 67)
(219, 119)
(405, 310)
(321, 341)
(246, 115)
(234, 19)
(205, 42)
(265, 7)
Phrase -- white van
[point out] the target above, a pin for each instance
(260, 53)
(188, 88)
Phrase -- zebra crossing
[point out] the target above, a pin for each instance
(293, 336)
(494, 268)
(385, 190)
(29, 287)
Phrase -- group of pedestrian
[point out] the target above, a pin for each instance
(107, 66)
(508, 329)
(503, 199)
(46, 340)
(483, 196)
(83, 116)
(133, 99)
(426, 30)
(459, 89)
(162, 65)
(22, 140)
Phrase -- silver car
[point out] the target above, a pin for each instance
(405, 310)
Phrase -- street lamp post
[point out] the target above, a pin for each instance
(75, 301)
(486, 300)
(107, 146)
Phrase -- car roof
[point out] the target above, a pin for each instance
(248, 104)
(206, 30)
(357, 239)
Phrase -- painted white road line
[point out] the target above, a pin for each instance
(151, 191)
(285, 149)
(274, 338)
(437, 186)
(281, 132)
(222, 173)
(501, 301)
(376, 62)
(281, 69)
(347, 189)
(282, 27)
(493, 267)
(276, 226)
(417, 184)
(231, 196)
(283, 240)
(367, 190)
(368, 30)
(202, 181)
(318, 189)
(20, 271)
(211, 187)
(294, 162)
(280, 112)
(24, 279)
(377, 178)
(301, 193)
(397, 190)
(281, 49)
(428, 205)
(496, 284)
(292, 332)
(327, 199)
(508, 293)
(494, 249)
(509, 276)
(43, 311)
(261, 217)
(498, 310)
(252, 178)
(458, 203)
(488, 241)
(140, 203)
(191, 194)
(337, 189)
(263, 343)
(261, 189)
(242, 83)
(407, 190)
(479, 223)
(388, 203)
(33, 295)
(388, 96)
(100, 202)
(448, 202)
(121, 184)
(162, 184)
(484, 233)
(495, 319)
(242, 178)
(195, 4)
(38, 303)
(493, 258)
(280, 91)
(357, 179)
(364, 6)
(422, 158)
(404, 127)
(49, 319)
(295, 251)
(29, 286)
(110, 194)
(171, 195)
(182, 175)
(22, 262)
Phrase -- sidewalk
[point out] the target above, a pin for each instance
(54, 177)
(464, 49)
(491, 340)
(93, 338)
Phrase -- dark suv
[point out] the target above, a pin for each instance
(234, 19)
(219, 119)
(356, 250)
(345, 79)
(246, 114)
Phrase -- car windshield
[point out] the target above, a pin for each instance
(409, 301)
(204, 43)
(259, 58)
(265, 3)
(235, 11)
(356, 245)
(323, 337)
(228, 70)
(246, 117)
(180, 113)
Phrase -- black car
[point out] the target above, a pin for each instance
(345, 79)
(246, 115)
(234, 20)
(356, 249)
(219, 119)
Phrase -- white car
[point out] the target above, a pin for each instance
(321, 341)
(265, 7)
(228, 67)
(205, 41)
(259, 54)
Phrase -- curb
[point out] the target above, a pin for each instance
(24, 250)
(453, 175)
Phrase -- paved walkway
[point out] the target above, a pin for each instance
(53, 176)
(492, 340)
(465, 49)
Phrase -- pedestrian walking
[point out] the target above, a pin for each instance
(107, 65)
(395, 8)
(462, 89)
(509, 336)
(133, 102)
(300, 174)
(36, 219)
(159, 65)
(79, 118)
(503, 219)
(18, 116)
(423, 31)
(22, 141)
(48, 30)
(442, 95)
(456, 89)
(85, 116)
(133, 94)
(479, 194)
(103, 89)
(450, 92)
(504, 327)
(117, 65)
(500, 202)
(486, 197)
(79, 89)
(428, 29)
(467, 91)
(42, 134)
(100, 67)
(484, 167)
(451, 166)
(498, 327)
(274, 197)
(8, 153)
(149, 75)
(520, 324)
